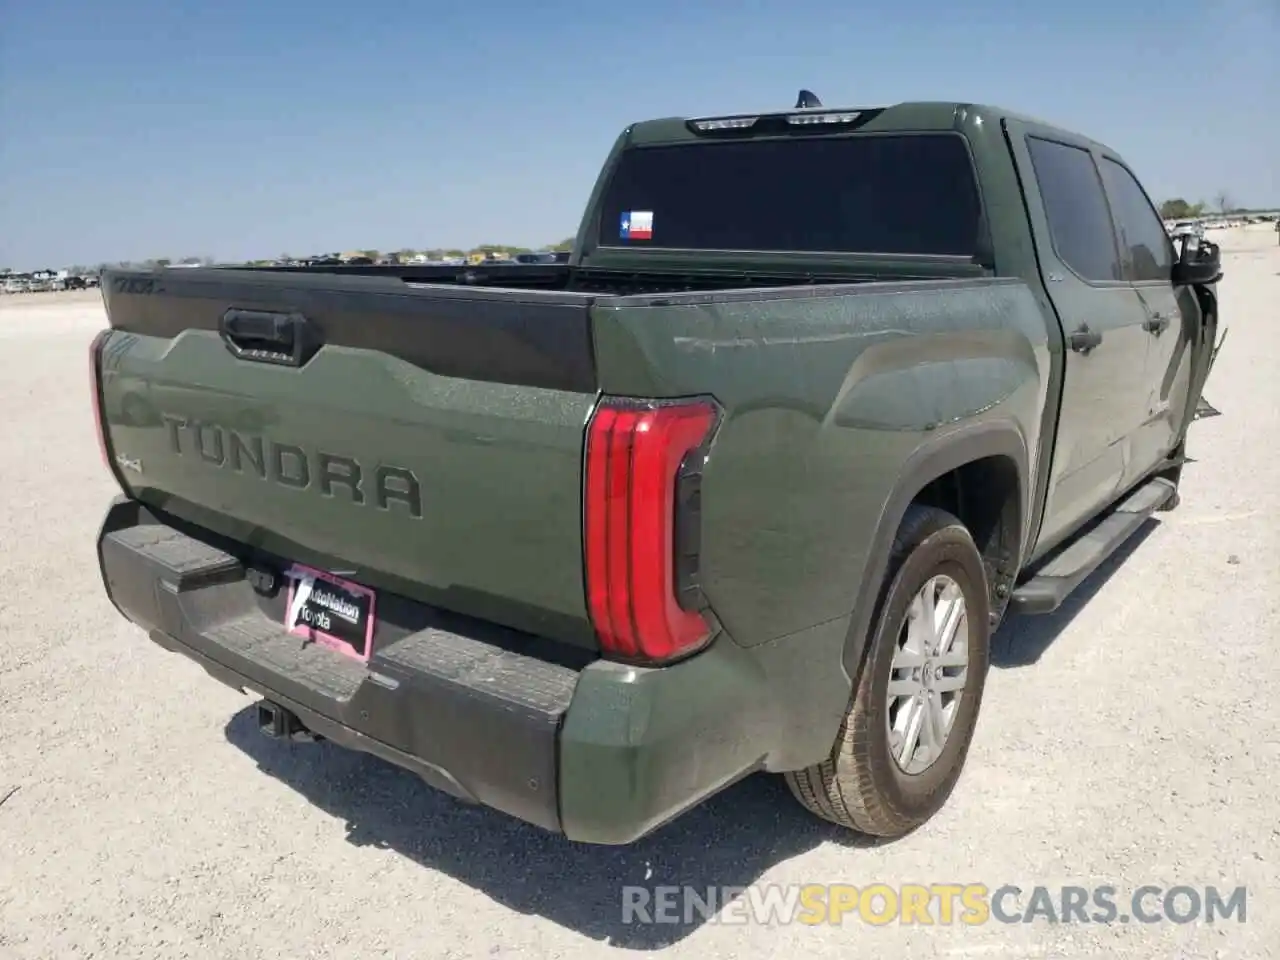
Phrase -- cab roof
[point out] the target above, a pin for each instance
(921, 115)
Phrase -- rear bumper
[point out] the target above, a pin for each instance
(600, 752)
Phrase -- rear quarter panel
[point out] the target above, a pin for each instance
(828, 396)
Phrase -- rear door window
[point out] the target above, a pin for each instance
(1079, 218)
(912, 194)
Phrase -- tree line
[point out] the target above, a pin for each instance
(1223, 203)
(85, 270)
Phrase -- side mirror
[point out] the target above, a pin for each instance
(1199, 262)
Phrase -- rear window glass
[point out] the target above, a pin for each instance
(899, 194)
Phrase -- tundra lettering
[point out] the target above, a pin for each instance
(250, 450)
(281, 455)
(650, 564)
(340, 470)
(289, 464)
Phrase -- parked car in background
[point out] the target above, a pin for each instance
(1187, 228)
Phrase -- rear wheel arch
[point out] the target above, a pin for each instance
(980, 474)
(902, 744)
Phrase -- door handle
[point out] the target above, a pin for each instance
(1156, 323)
(1084, 340)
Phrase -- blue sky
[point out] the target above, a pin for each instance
(139, 128)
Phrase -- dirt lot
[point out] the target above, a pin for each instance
(1131, 739)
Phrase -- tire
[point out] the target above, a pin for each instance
(862, 785)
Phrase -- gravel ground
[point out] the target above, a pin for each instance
(1129, 739)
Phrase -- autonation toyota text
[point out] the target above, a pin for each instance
(935, 904)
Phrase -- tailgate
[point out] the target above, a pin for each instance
(422, 439)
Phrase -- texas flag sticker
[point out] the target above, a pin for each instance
(637, 225)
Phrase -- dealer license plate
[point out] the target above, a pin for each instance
(330, 611)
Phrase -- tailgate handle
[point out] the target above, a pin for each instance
(288, 339)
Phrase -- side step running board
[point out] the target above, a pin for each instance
(1053, 582)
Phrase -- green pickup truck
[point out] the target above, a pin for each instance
(820, 397)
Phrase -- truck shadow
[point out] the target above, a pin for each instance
(1022, 640)
(731, 840)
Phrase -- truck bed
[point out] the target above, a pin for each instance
(427, 439)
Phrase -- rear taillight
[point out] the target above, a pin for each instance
(95, 393)
(635, 450)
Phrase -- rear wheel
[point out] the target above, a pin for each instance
(903, 744)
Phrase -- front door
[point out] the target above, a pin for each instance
(1104, 404)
